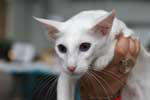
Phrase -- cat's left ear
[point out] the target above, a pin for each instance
(104, 26)
(52, 26)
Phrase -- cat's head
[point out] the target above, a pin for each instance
(78, 42)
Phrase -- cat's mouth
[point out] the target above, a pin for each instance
(74, 74)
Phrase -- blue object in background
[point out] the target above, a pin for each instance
(27, 86)
(77, 94)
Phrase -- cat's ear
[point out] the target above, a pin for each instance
(51, 25)
(104, 26)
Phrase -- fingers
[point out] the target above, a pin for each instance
(128, 45)
(137, 46)
(122, 46)
(134, 47)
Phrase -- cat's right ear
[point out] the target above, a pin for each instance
(104, 25)
(51, 25)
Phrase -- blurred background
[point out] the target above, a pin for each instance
(25, 53)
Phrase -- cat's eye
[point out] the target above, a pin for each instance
(62, 48)
(84, 46)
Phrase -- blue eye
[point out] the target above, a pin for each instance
(62, 48)
(84, 46)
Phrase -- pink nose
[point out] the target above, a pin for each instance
(71, 68)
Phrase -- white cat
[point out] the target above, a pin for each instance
(89, 35)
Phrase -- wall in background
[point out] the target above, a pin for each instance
(20, 23)
(22, 27)
(2, 18)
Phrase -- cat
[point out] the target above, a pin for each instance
(87, 36)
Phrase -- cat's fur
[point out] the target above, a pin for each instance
(98, 28)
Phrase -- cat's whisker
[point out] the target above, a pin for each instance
(49, 84)
(46, 78)
(50, 91)
(110, 74)
(43, 78)
(91, 83)
(47, 89)
(45, 84)
(103, 80)
(50, 79)
(86, 77)
(114, 76)
(90, 78)
(99, 82)
(40, 85)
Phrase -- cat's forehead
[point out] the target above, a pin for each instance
(77, 27)
(76, 31)
(75, 38)
(82, 21)
(72, 37)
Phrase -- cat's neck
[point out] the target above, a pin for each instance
(102, 61)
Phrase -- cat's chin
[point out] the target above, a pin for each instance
(74, 75)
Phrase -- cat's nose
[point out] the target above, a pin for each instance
(71, 68)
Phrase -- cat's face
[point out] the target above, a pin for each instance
(76, 50)
(77, 44)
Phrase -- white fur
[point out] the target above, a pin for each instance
(77, 30)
